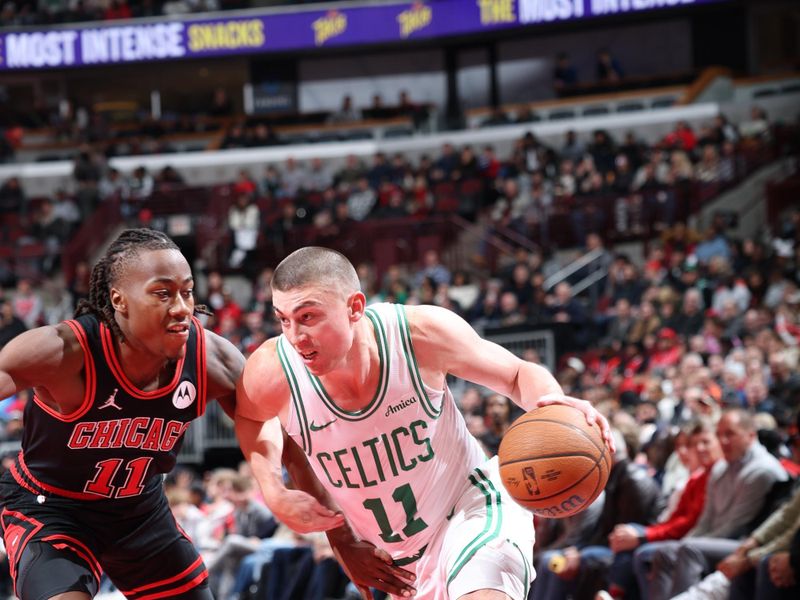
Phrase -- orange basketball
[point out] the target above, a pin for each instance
(552, 462)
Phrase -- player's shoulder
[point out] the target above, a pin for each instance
(44, 351)
(262, 391)
(426, 320)
(263, 367)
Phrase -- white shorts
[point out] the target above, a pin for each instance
(486, 544)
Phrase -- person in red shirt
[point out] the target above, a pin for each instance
(668, 350)
(630, 541)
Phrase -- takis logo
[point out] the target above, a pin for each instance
(184, 395)
(331, 25)
(415, 18)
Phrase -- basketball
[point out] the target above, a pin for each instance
(553, 462)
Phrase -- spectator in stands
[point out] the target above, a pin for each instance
(737, 491)
(221, 104)
(432, 268)
(647, 323)
(757, 128)
(113, 185)
(87, 172)
(347, 113)
(498, 416)
(620, 326)
(630, 542)
(6, 148)
(27, 303)
(79, 283)
(573, 149)
(294, 179)
(715, 244)
(631, 496)
(607, 68)
(447, 162)
(731, 165)
(244, 222)
(169, 178)
(141, 184)
(380, 171)
(271, 183)
(51, 230)
(691, 317)
(236, 137)
(319, 176)
(631, 287)
(708, 169)
(603, 151)
(251, 523)
(724, 130)
(263, 135)
(361, 201)
(10, 324)
(12, 197)
(681, 138)
(564, 74)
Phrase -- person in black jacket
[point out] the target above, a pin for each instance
(631, 496)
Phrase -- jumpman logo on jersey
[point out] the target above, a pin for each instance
(111, 401)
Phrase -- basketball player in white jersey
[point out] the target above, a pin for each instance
(363, 392)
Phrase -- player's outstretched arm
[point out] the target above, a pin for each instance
(262, 397)
(446, 343)
(41, 357)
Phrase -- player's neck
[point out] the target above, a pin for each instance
(358, 374)
(144, 370)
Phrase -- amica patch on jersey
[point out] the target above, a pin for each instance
(184, 395)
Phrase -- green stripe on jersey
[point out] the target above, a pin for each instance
(411, 361)
(297, 399)
(491, 529)
(525, 564)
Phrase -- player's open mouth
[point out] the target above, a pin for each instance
(308, 356)
(180, 330)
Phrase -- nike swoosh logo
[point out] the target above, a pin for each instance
(315, 427)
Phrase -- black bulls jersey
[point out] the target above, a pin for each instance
(121, 438)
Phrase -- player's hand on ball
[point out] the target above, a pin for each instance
(368, 566)
(592, 416)
(302, 513)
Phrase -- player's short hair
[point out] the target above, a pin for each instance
(314, 265)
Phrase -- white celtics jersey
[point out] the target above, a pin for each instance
(397, 466)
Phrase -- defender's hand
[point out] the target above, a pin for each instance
(368, 566)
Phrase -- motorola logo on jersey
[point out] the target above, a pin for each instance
(184, 395)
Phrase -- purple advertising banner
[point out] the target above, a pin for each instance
(134, 41)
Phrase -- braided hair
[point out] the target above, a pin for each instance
(127, 246)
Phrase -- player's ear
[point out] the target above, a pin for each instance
(356, 305)
(118, 301)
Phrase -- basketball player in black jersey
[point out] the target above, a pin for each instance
(115, 390)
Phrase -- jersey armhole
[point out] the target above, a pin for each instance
(89, 383)
(202, 381)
